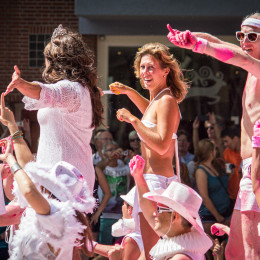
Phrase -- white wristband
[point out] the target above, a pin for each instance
(200, 45)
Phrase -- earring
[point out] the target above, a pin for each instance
(164, 76)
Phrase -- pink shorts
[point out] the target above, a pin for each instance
(246, 200)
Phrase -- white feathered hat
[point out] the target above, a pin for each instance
(64, 181)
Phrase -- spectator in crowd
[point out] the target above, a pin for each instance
(101, 136)
(212, 182)
(117, 175)
(134, 142)
(132, 240)
(184, 145)
(231, 140)
(175, 219)
(213, 125)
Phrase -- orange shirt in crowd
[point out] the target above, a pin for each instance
(231, 156)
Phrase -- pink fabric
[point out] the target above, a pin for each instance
(223, 54)
(257, 128)
(255, 141)
(246, 200)
(200, 45)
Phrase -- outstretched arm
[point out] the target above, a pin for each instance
(22, 151)
(29, 89)
(221, 51)
(119, 88)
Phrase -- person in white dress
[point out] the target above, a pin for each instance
(69, 103)
(56, 202)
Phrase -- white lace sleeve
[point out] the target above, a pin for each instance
(60, 227)
(63, 94)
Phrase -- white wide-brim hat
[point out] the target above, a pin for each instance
(64, 181)
(129, 198)
(182, 199)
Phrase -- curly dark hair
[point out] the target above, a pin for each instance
(68, 57)
(175, 78)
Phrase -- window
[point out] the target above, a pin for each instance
(36, 48)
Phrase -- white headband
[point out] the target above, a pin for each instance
(251, 22)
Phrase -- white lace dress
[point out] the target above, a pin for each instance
(65, 117)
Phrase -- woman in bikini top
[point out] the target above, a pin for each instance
(160, 74)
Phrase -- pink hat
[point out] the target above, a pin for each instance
(182, 199)
(64, 181)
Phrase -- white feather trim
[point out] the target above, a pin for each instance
(60, 229)
(192, 242)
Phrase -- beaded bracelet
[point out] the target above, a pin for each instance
(16, 135)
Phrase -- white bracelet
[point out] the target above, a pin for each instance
(200, 45)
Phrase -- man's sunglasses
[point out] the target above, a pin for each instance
(163, 209)
(251, 36)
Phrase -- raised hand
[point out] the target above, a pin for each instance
(136, 165)
(6, 116)
(184, 39)
(15, 80)
(119, 88)
(7, 149)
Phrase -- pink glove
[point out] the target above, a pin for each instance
(216, 230)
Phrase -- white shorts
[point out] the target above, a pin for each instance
(246, 200)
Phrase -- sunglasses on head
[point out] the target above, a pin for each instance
(134, 139)
(251, 36)
(163, 209)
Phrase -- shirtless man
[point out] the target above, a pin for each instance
(244, 242)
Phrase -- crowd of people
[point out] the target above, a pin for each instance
(171, 195)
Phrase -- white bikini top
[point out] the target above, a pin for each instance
(152, 125)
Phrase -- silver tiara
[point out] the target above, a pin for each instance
(59, 31)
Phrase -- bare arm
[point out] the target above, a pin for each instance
(28, 189)
(202, 184)
(224, 52)
(102, 181)
(148, 207)
(135, 97)
(212, 38)
(159, 141)
(29, 89)
(22, 151)
(195, 134)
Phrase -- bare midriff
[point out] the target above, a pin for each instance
(251, 113)
(158, 164)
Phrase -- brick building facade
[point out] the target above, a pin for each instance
(21, 21)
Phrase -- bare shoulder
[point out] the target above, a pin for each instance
(167, 101)
(200, 172)
(180, 257)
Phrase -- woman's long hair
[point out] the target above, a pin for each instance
(68, 57)
(175, 79)
(205, 148)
